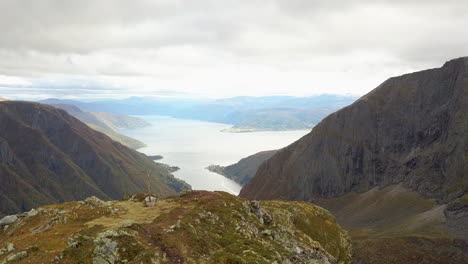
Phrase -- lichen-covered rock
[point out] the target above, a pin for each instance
(8, 220)
(150, 200)
(106, 251)
(17, 256)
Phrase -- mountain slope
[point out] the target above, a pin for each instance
(107, 123)
(48, 156)
(244, 170)
(411, 129)
(196, 227)
(392, 167)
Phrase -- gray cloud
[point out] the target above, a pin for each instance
(163, 40)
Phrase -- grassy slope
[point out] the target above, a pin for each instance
(197, 227)
(395, 225)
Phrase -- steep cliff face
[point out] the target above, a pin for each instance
(195, 227)
(412, 129)
(48, 156)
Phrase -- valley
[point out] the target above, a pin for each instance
(194, 145)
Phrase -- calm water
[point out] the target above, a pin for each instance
(194, 145)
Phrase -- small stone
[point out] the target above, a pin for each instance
(150, 201)
(18, 256)
(72, 243)
(10, 247)
(8, 220)
(128, 223)
(32, 212)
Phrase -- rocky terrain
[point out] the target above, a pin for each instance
(244, 170)
(195, 227)
(108, 124)
(48, 156)
(410, 134)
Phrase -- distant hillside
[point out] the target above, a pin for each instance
(48, 156)
(244, 113)
(3, 99)
(392, 167)
(107, 123)
(195, 227)
(244, 170)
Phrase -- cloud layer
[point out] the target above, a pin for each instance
(221, 48)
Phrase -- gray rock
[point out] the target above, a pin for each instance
(10, 247)
(8, 220)
(106, 250)
(150, 201)
(17, 256)
(32, 212)
(94, 201)
(72, 243)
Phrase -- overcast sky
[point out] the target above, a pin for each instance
(220, 48)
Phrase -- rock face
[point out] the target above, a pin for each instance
(244, 170)
(412, 129)
(195, 227)
(48, 156)
(391, 167)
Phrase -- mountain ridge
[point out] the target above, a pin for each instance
(362, 121)
(48, 156)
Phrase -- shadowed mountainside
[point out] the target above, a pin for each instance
(48, 156)
(392, 167)
(411, 129)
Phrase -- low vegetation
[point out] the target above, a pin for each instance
(195, 227)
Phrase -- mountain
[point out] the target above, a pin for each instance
(107, 123)
(395, 158)
(48, 156)
(245, 113)
(244, 170)
(195, 227)
(3, 99)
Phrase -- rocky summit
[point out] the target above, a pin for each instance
(194, 227)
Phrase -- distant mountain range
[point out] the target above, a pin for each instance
(392, 167)
(244, 113)
(48, 156)
(108, 124)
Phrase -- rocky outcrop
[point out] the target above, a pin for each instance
(195, 227)
(411, 129)
(48, 156)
